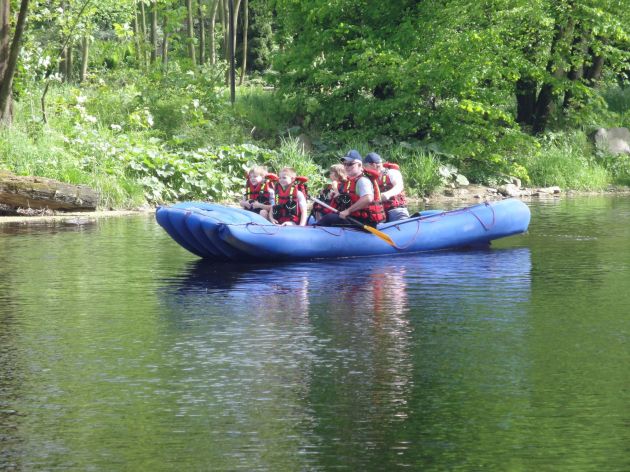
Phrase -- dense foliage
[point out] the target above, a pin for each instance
(132, 97)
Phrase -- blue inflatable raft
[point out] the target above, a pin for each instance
(223, 233)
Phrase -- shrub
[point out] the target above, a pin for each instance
(565, 160)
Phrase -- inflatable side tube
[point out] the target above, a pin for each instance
(209, 224)
(171, 220)
(468, 227)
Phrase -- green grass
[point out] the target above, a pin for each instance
(264, 114)
(618, 99)
(420, 170)
(566, 161)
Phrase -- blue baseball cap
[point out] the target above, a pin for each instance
(353, 155)
(372, 158)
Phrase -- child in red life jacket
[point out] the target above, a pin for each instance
(259, 191)
(290, 207)
(391, 185)
(337, 176)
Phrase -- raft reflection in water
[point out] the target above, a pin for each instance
(361, 349)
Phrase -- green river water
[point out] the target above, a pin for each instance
(119, 351)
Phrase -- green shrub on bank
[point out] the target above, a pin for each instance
(157, 139)
(566, 160)
(618, 166)
(618, 99)
(420, 171)
(264, 114)
(131, 162)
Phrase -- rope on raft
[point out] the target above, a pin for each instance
(415, 236)
(483, 225)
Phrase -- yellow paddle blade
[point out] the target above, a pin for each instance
(380, 234)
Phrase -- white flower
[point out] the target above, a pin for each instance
(81, 99)
(90, 119)
(44, 61)
(115, 127)
(195, 103)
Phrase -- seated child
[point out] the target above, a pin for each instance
(337, 176)
(290, 207)
(259, 191)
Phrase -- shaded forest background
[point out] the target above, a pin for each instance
(132, 97)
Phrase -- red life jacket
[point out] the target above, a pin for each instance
(325, 196)
(287, 207)
(386, 184)
(371, 215)
(301, 185)
(260, 193)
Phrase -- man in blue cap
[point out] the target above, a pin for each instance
(391, 187)
(356, 196)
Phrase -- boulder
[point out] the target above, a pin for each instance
(555, 190)
(613, 140)
(461, 180)
(39, 193)
(509, 190)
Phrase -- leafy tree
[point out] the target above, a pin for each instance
(261, 36)
(9, 52)
(469, 74)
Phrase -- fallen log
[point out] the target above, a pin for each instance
(39, 193)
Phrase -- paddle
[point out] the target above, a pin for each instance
(374, 231)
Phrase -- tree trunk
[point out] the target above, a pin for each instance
(232, 47)
(165, 43)
(85, 53)
(237, 6)
(543, 108)
(525, 101)
(576, 73)
(593, 73)
(245, 32)
(191, 32)
(5, 24)
(136, 36)
(143, 35)
(561, 44)
(213, 47)
(10, 63)
(39, 193)
(224, 22)
(154, 39)
(63, 57)
(202, 34)
(69, 63)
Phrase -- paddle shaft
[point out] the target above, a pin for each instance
(374, 231)
(349, 218)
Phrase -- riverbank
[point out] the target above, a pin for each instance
(478, 193)
(73, 218)
(448, 197)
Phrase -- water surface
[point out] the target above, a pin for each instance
(120, 351)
